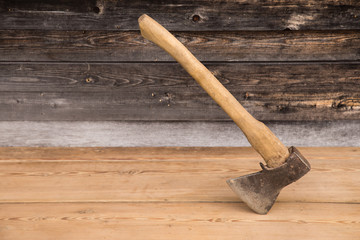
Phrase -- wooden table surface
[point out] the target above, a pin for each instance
(170, 193)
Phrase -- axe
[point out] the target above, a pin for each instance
(283, 166)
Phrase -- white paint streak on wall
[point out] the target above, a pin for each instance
(297, 20)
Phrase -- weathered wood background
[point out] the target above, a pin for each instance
(72, 62)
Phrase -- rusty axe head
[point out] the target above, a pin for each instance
(259, 190)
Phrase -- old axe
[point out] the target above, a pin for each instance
(283, 166)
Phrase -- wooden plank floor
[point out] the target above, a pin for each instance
(170, 193)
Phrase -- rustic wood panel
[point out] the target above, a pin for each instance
(126, 175)
(145, 133)
(181, 15)
(164, 91)
(178, 221)
(89, 46)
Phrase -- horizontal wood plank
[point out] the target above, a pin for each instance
(181, 15)
(164, 91)
(178, 220)
(88, 46)
(170, 134)
(198, 176)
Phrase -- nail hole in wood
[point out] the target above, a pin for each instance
(246, 96)
(96, 10)
(89, 80)
(196, 18)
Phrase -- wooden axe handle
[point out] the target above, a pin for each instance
(259, 136)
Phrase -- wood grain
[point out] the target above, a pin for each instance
(170, 134)
(183, 174)
(88, 46)
(181, 15)
(178, 220)
(293, 61)
(162, 193)
(164, 91)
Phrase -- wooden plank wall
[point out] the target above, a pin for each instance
(286, 61)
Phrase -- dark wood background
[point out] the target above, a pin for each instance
(287, 62)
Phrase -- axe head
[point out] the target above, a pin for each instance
(260, 190)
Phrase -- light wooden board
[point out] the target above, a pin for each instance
(225, 221)
(195, 177)
(169, 193)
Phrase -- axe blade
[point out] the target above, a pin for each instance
(260, 190)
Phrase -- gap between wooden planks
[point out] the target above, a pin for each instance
(170, 193)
